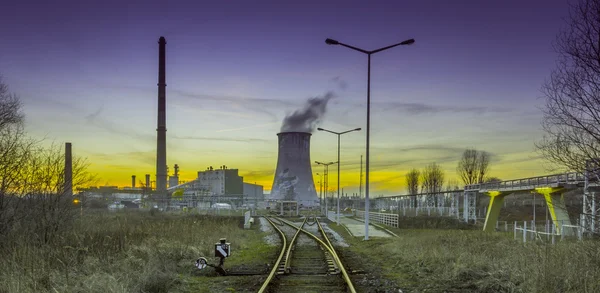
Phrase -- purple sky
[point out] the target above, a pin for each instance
(86, 71)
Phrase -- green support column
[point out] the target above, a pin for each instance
(493, 211)
(556, 207)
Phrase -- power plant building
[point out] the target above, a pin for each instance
(222, 181)
(253, 192)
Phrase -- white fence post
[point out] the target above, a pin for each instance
(524, 231)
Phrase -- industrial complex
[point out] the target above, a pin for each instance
(212, 186)
(293, 180)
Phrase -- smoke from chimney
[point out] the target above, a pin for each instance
(307, 118)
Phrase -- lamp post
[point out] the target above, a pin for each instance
(369, 53)
(339, 134)
(320, 189)
(326, 174)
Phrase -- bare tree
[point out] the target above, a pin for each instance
(412, 181)
(432, 178)
(31, 178)
(572, 112)
(10, 107)
(15, 152)
(452, 185)
(51, 207)
(473, 167)
(483, 165)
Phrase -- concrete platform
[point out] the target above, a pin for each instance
(357, 228)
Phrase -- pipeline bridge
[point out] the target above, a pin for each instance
(463, 203)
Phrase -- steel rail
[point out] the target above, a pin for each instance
(289, 249)
(331, 251)
(276, 265)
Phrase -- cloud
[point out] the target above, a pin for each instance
(92, 117)
(422, 108)
(148, 157)
(436, 148)
(96, 119)
(258, 173)
(403, 158)
(247, 127)
(342, 84)
(258, 105)
(222, 139)
(119, 167)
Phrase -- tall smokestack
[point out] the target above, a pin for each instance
(132, 181)
(293, 176)
(68, 169)
(148, 181)
(161, 131)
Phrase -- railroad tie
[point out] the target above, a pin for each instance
(332, 267)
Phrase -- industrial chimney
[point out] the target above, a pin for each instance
(174, 180)
(132, 181)
(161, 130)
(148, 182)
(68, 170)
(293, 177)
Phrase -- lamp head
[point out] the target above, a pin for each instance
(357, 129)
(331, 42)
(320, 129)
(408, 42)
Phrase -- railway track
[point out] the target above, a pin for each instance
(307, 261)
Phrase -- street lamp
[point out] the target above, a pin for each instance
(320, 188)
(338, 165)
(369, 53)
(326, 174)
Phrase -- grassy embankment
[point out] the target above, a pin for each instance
(135, 252)
(430, 260)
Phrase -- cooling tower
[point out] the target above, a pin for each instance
(293, 177)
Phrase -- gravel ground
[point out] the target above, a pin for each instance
(273, 238)
(335, 238)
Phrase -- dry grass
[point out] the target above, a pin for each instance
(123, 252)
(475, 261)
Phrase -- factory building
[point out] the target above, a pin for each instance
(222, 181)
(253, 193)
